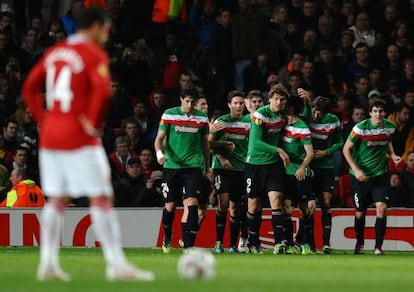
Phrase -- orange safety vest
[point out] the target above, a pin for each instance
(25, 194)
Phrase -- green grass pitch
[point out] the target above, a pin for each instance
(341, 271)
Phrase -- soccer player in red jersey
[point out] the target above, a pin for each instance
(71, 158)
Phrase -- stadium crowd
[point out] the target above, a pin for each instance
(347, 51)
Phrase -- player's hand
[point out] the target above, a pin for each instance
(304, 95)
(214, 127)
(89, 128)
(284, 156)
(396, 159)
(300, 174)
(318, 154)
(359, 175)
(162, 160)
(226, 164)
(230, 146)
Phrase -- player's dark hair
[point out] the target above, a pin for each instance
(322, 104)
(377, 102)
(234, 93)
(255, 93)
(90, 15)
(278, 89)
(296, 103)
(190, 92)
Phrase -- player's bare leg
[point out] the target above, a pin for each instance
(107, 230)
(51, 231)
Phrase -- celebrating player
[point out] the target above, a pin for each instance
(365, 151)
(182, 148)
(228, 166)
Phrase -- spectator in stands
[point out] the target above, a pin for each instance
(279, 19)
(346, 16)
(309, 17)
(146, 122)
(14, 74)
(121, 107)
(275, 45)
(386, 23)
(404, 134)
(345, 50)
(71, 16)
(131, 129)
(403, 37)
(295, 81)
(151, 195)
(326, 32)
(6, 26)
(358, 114)
(308, 75)
(248, 33)
(134, 69)
(407, 176)
(363, 32)
(255, 75)
(128, 187)
(360, 91)
(361, 64)
(221, 66)
(4, 50)
(391, 66)
(31, 49)
(158, 102)
(399, 195)
(392, 94)
(409, 100)
(24, 192)
(328, 73)
(376, 79)
(49, 38)
(10, 128)
(294, 64)
(7, 101)
(146, 157)
(310, 45)
(169, 63)
(407, 78)
(119, 157)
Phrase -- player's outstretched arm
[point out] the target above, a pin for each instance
(159, 148)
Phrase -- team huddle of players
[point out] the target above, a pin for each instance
(281, 152)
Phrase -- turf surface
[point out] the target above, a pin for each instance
(341, 271)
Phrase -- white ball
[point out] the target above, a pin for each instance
(196, 264)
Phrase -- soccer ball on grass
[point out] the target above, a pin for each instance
(196, 264)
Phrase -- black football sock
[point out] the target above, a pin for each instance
(277, 224)
(234, 230)
(380, 227)
(220, 225)
(167, 221)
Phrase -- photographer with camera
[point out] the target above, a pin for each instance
(151, 195)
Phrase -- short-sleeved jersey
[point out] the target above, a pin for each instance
(371, 146)
(236, 131)
(326, 135)
(184, 138)
(77, 81)
(294, 137)
(264, 137)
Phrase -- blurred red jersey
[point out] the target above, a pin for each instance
(76, 77)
